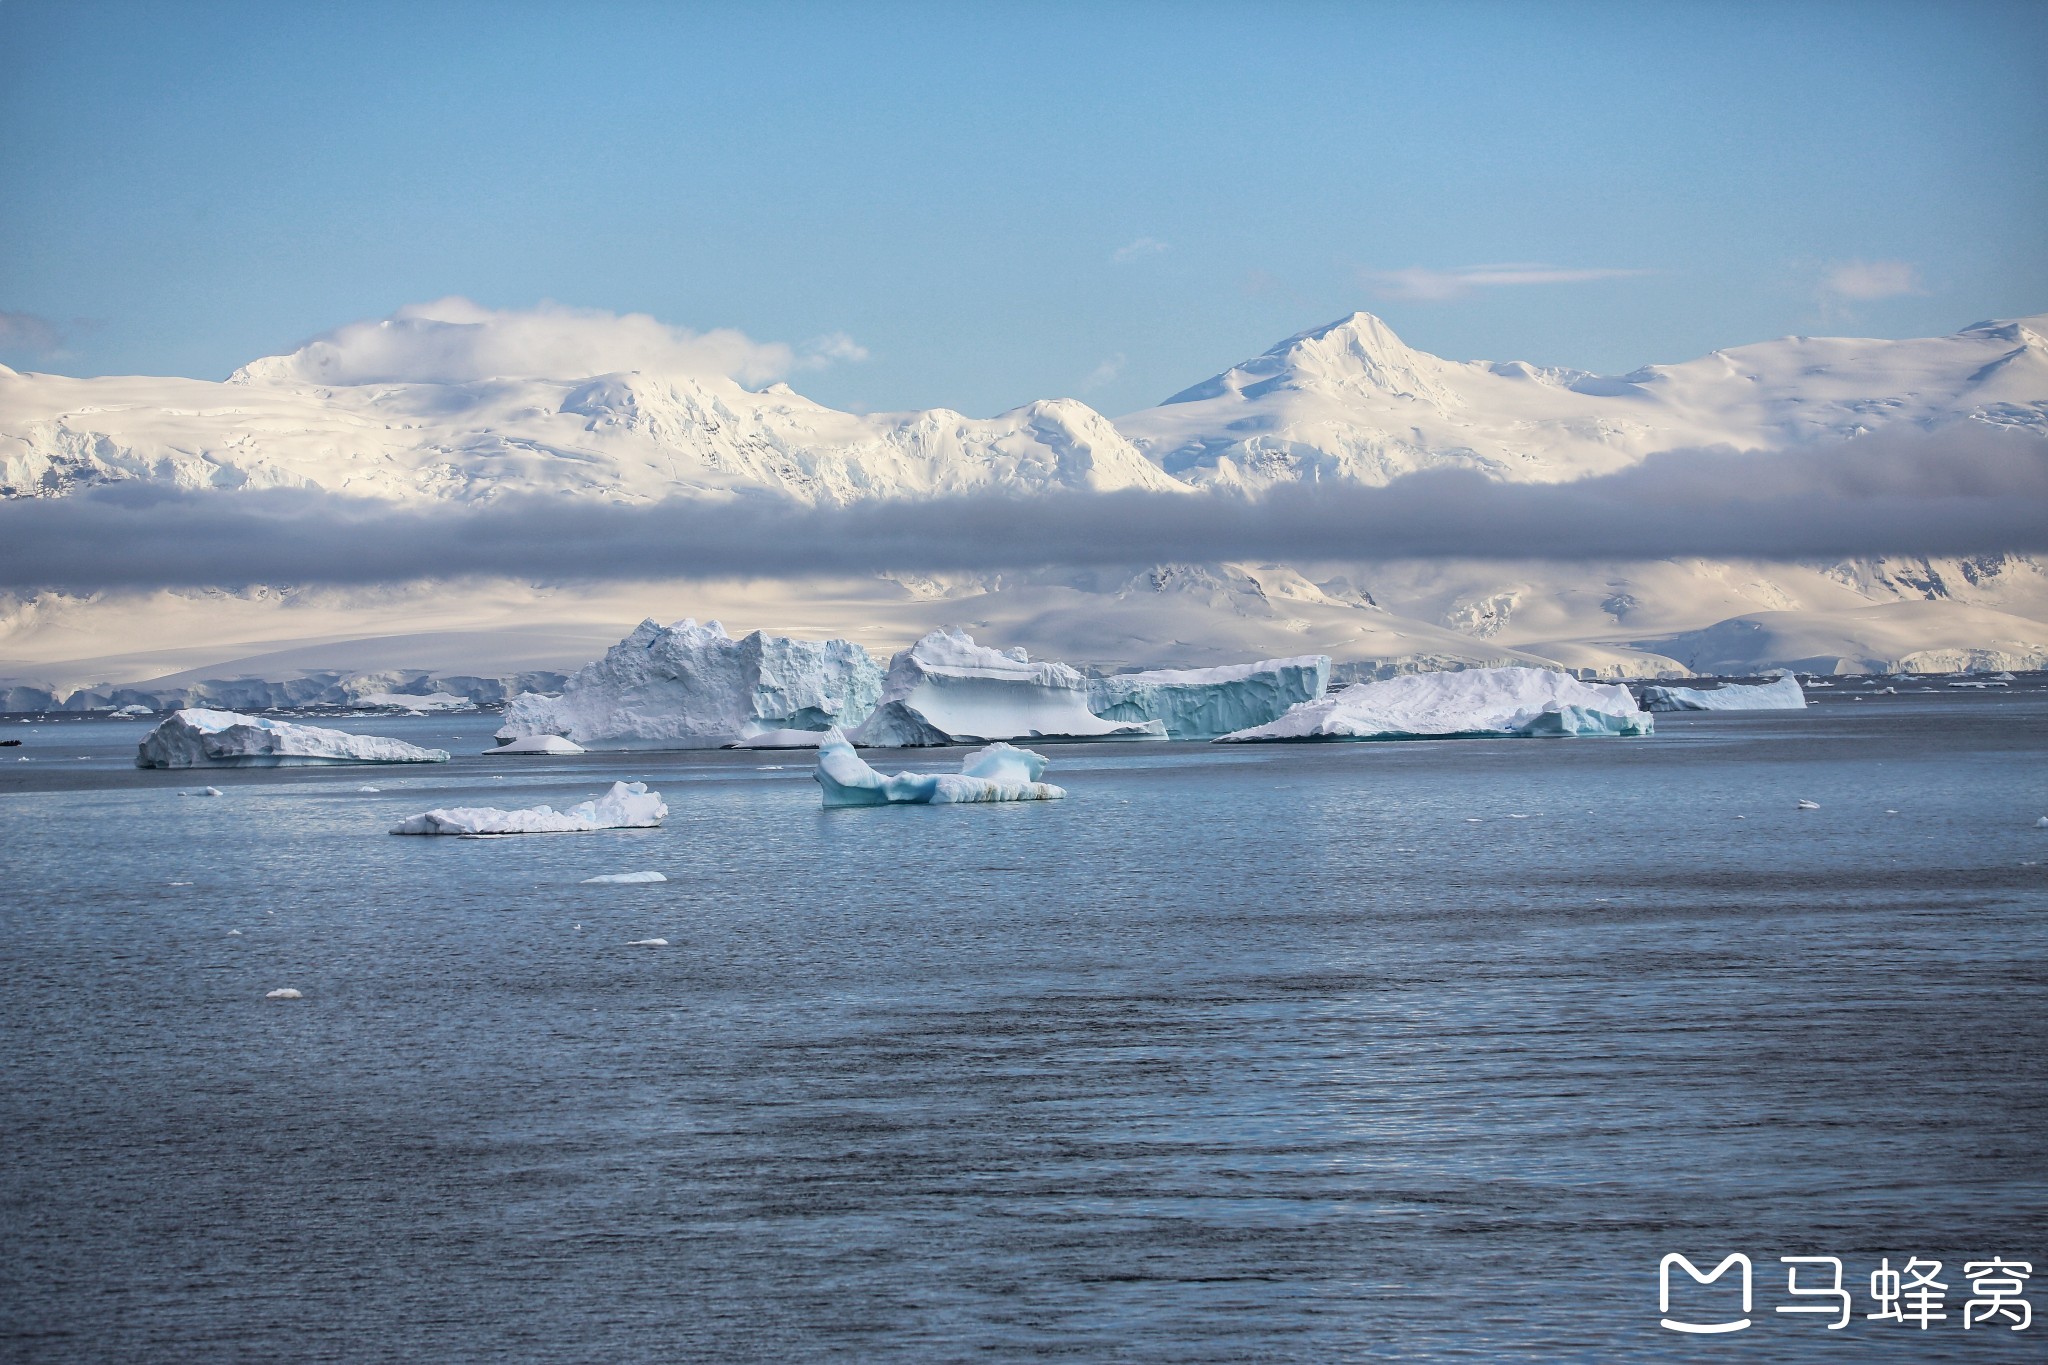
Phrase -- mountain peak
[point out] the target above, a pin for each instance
(1355, 354)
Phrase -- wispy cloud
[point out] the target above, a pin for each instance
(831, 349)
(1105, 373)
(1419, 282)
(1868, 281)
(28, 333)
(1138, 250)
(453, 341)
(1960, 490)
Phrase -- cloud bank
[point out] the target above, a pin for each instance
(455, 341)
(1964, 490)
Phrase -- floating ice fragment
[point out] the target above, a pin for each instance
(623, 879)
(205, 791)
(1202, 703)
(1809, 805)
(234, 933)
(372, 790)
(995, 773)
(196, 737)
(2041, 823)
(1472, 703)
(286, 993)
(535, 744)
(628, 805)
(646, 942)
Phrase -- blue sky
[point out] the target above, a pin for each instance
(999, 203)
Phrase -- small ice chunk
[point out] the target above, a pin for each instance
(622, 879)
(205, 791)
(285, 993)
(644, 942)
(234, 933)
(372, 790)
(2041, 823)
(1809, 805)
(536, 744)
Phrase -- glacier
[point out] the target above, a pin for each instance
(194, 738)
(995, 773)
(1473, 703)
(946, 689)
(1202, 703)
(1781, 694)
(688, 686)
(628, 805)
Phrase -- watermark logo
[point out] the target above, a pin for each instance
(1913, 1295)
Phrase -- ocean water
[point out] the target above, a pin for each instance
(1420, 1050)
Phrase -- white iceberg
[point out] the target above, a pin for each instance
(1476, 702)
(695, 687)
(1202, 703)
(996, 773)
(1780, 694)
(195, 738)
(536, 744)
(283, 993)
(628, 805)
(1804, 804)
(644, 942)
(946, 689)
(133, 711)
(623, 879)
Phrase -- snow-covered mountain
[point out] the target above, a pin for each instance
(1348, 402)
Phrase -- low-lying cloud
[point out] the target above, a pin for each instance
(455, 341)
(1964, 490)
(1422, 284)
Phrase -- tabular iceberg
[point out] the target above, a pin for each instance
(946, 689)
(1781, 694)
(534, 744)
(996, 773)
(1202, 703)
(1477, 702)
(695, 687)
(196, 738)
(628, 805)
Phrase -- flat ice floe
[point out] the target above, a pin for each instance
(688, 686)
(946, 689)
(284, 993)
(197, 738)
(623, 879)
(535, 744)
(996, 773)
(1473, 703)
(1781, 694)
(1202, 703)
(628, 805)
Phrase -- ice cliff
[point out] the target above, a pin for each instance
(1202, 703)
(1475, 702)
(946, 689)
(996, 773)
(695, 687)
(1782, 694)
(628, 805)
(197, 738)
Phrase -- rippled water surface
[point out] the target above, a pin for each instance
(1302, 1052)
